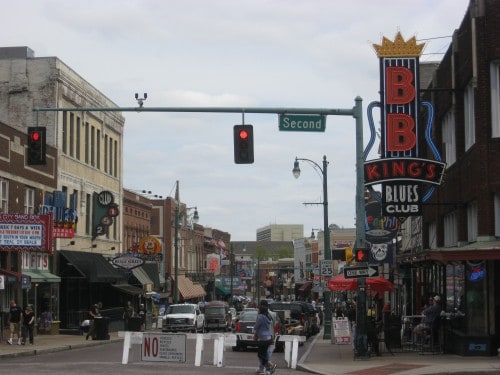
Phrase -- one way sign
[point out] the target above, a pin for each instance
(355, 272)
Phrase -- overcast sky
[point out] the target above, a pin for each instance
(229, 53)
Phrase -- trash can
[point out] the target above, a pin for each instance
(101, 326)
(134, 324)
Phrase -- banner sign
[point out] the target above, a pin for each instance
(23, 232)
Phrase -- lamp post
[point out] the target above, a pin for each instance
(326, 236)
(178, 216)
(231, 270)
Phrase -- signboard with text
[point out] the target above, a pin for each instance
(407, 178)
(163, 347)
(23, 232)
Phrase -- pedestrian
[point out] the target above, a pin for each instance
(142, 314)
(15, 320)
(93, 314)
(127, 314)
(264, 334)
(28, 324)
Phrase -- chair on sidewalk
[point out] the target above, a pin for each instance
(431, 338)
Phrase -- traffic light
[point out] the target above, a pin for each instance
(243, 144)
(348, 254)
(36, 146)
(361, 255)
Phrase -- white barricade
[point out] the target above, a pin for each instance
(221, 340)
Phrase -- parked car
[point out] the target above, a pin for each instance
(183, 317)
(217, 316)
(296, 315)
(244, 330)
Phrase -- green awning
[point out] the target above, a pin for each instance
(222, 291)
(38, 276)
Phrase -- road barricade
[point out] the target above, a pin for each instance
(220, 341)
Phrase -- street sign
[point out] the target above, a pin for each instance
(326, 268)
(355, 272)
(302, 123)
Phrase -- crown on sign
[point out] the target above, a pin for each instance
(399, 47)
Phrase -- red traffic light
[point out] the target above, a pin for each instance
(35, 136)
(360, 255)
(243, 134)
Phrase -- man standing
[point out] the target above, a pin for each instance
(93, 313)
(15, 314)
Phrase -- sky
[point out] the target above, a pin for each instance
(238, 54)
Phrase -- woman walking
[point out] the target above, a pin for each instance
(264, 334)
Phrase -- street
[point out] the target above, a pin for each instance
(106, 359)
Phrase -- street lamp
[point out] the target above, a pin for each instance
(178, 215)
(326, 236)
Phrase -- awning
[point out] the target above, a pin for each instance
(222, 291)
(39, 276)
(128, 289)
(12, 276)
(188, 289)
(94, 266)
(141, 275)
(151, 269)
(306, 286)
(481, 250)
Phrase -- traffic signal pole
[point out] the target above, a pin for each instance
(355, 112)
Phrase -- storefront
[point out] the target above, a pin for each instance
(467, 281)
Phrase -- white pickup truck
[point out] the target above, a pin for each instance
(183, 317)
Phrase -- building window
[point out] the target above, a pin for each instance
(470, 124)
(92, 146)
(98, 149)
(432, 235)
(78, 137)
(71, 135)
(4, 196)
(115, 156)
(495, 98)
(88, 213)
(106, 153)
(86, 143)
(472, 222)
(65, 133)
(450, 230)
(110, 156)
(450, 146)
(29, 201)
(496, 203)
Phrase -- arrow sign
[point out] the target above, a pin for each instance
(355, 272)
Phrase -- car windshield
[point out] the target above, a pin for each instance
(215, 311)
(180, 309)
(249, 316)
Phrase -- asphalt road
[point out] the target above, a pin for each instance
(106, 359)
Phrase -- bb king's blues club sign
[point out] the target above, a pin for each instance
(407, 178)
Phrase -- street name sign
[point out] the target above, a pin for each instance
(355, 272)
(302, 123)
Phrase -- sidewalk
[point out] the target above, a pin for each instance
(325, 358)
(322, 357)
(51, 343)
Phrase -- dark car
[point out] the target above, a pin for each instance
(217, 316)
(244, 330)
(298, 318)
